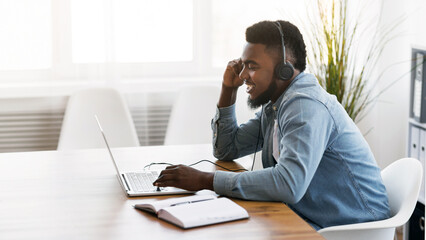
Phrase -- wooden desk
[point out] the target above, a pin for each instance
(76, 195)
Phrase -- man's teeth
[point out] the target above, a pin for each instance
(249, 88)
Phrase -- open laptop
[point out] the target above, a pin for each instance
(139, 183)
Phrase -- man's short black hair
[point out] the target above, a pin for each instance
(267, 33)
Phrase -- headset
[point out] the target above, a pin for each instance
(284, 70)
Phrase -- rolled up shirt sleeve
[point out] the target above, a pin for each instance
(231, 141)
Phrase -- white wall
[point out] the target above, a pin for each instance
(388, 119)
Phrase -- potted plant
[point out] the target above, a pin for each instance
(343, 55)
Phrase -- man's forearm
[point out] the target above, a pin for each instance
(228, 96)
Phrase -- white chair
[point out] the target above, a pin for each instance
(402, 179)
(191, 116)
(79, 128)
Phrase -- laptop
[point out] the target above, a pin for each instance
(139, 183)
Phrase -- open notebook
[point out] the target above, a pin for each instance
(195, 211)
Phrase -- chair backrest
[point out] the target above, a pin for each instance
(79, 129)
(403, 179)
(191, 116)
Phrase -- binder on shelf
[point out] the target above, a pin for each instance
(418, 85)
(414, 148)
(422, 158)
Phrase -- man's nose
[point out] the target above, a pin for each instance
(243, 74)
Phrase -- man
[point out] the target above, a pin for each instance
(314, 157)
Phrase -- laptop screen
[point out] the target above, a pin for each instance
(106, 142)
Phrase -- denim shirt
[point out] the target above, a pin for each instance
(325, 172)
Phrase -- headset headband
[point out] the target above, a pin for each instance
(278, 25)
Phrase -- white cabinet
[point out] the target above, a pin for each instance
(416, 147)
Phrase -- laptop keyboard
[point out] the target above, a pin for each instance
(142, 181)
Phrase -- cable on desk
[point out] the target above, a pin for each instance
(205, 160)
(160, 163)
(192, 164)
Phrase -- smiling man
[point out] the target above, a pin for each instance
(314, 157)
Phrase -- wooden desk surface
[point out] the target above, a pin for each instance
(76, 195)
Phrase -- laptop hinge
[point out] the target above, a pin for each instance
(125, 182)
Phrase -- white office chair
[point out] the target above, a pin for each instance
(191, 116)
(79, 128)
(402, 179)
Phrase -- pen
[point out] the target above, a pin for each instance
(158, 188)
(188, 202)
(161, 176)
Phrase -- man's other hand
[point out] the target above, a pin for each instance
(185, 177)
(231, 78)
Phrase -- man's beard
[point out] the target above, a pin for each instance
(263, 97)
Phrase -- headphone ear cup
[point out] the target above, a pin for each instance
(284, 71)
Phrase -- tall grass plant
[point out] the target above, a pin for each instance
(344, 53)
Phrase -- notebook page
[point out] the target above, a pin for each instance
(203, 213)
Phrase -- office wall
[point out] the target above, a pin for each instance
(387, 120)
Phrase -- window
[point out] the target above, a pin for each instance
(88, 31)
(25, 35)
(122, 41)
(132, 31)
